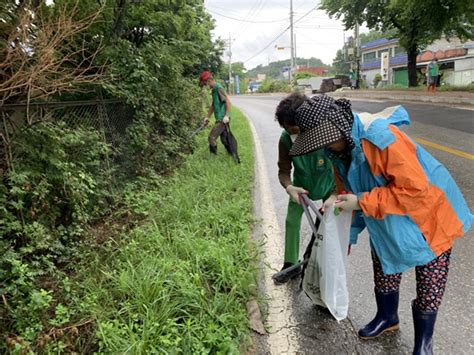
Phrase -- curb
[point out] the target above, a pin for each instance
(394, 96)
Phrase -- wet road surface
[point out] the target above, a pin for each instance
(310, 329)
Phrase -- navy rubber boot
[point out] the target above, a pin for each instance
(386, 318)
(424, 323)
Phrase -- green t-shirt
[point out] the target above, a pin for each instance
(218, 101)
(433, 69)
(313, 171)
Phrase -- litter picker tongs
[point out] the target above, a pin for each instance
(199, 129)
(307, 205)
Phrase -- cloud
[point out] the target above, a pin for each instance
(254, 24)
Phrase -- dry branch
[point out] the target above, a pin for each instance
(38, 58)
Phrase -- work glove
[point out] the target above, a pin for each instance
(294, 193)
(225, 119)
(347, 202)
(329, 202)
(205, 121)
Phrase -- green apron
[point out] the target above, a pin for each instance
(218, 105)
(314, 173)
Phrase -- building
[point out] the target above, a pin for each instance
(455, 58)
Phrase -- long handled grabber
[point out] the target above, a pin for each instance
(307, 204)
(199, 129)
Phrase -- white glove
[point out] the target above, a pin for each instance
(294, 192)
(329, 202)
(225, 119)
(205, 121)
(348, 202)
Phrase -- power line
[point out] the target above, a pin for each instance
(245, 20)
(315, 27)
(249, 16)
(281, 34)
(306, 14)
(268, 45)
(259, 7)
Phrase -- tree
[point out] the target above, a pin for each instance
(238, 68)
(340, 65)
(42, 51)
(416, 23)
(274, 69)
(303, 75)
(374, 35)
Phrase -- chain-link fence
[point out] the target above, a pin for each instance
(110, 118)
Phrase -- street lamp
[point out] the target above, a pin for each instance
(281, 48)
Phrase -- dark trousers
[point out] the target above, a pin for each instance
(216, 131)
(431, 281)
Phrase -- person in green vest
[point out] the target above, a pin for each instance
(353, 79)
(220, 106)
(432, 70)
(312, 175)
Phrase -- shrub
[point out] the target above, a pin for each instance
(377, 80)
(57, 186)
(271, 85)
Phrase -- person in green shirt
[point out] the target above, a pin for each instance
(220, 106)
(432, 70)
(353, 79)
(312, 175)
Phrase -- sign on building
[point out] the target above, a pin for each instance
(237, 85)
(384, 66)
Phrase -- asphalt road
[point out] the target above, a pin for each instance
(448, 135)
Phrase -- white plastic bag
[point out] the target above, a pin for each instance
(325, 276)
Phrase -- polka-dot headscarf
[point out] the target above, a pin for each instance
(322, 121)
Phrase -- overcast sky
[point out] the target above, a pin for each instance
(254, 24)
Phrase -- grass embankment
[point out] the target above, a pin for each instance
(179, 283)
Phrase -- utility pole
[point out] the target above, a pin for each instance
(230, 63)
(294, 55)
(357, 54)
(344, 46)
(292, 58)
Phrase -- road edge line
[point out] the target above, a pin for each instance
(281, 338)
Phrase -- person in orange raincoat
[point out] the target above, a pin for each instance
(407, 200)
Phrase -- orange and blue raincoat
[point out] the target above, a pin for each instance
(411, 205)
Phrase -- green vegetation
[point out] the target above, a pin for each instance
(340, 64)
(303, 75)
(415, 23)
(181, 281)
(442, 88)
(178, 282)
(273, 70)
(377, 79)
(238, 68)
(271, 85)
(373, 35)
(64, 225)
(469, 88)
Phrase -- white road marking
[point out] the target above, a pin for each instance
(282, 337)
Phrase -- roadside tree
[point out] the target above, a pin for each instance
(416, 23)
